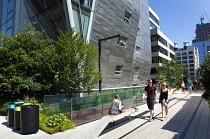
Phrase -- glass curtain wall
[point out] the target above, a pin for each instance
(49, 16)
(7, 13)
(81, 13)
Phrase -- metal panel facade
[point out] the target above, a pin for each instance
(129, 18)
(109, 21)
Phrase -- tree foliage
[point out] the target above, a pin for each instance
(75, 65)
(172, 72)
(24, 61)
(205, 73)
(32, 62)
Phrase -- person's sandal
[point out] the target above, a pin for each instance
(150, 120)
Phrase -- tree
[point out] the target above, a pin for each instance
(204, 74)
(74, 63)
(24, 61)
(172, 72)
(32, 62)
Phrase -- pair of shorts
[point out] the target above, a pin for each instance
(151, 103)
(189, 87)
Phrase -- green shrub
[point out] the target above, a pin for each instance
(56, 123)
(56, 120)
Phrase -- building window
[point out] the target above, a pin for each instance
(163, 51)
(138, 49)
(191, 65)
(153, 18)
(163, 41)
(208, 47)
(136, 70)
(190, 52)
(172, 55)
(157, 59)
(152, 25)
(154, 38)
(119, 70)
(191, 74)
(155, 48)
(190, 57)
(184, 53)
(191, 69)
(184, 57)
(178, 54)
(127, 16)
(153, 71)
(184, 62)
(191, 61)
(171, 47)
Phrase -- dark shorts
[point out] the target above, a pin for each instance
(151, 103)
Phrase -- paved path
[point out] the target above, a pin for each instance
(184, 121)
(189, 118)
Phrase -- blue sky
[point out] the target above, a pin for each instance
(178, 18)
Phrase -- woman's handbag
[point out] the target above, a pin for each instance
(165, 103)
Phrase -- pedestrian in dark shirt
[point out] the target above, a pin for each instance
(163, 100)
(150, 89)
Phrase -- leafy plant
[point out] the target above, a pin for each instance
(62, 123)
(56, 120)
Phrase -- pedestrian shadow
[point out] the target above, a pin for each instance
(182, 120)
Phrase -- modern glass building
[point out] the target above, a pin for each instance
(122, 66)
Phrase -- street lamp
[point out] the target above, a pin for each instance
(120, 42)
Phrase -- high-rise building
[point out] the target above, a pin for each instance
(122, 66)
(202, 31)
(162, 47)
(202, 39)
(189, 56)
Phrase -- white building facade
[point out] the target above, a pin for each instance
(189, 55)
(162, 47)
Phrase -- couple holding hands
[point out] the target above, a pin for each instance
(151, 90)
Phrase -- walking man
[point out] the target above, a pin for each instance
(189, 86)
(150, 89)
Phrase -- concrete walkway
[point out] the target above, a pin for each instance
(184, 121)
(189, 118)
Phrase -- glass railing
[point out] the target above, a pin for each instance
(93, 105)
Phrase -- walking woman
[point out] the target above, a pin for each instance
(183, 87)
(164, 100)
